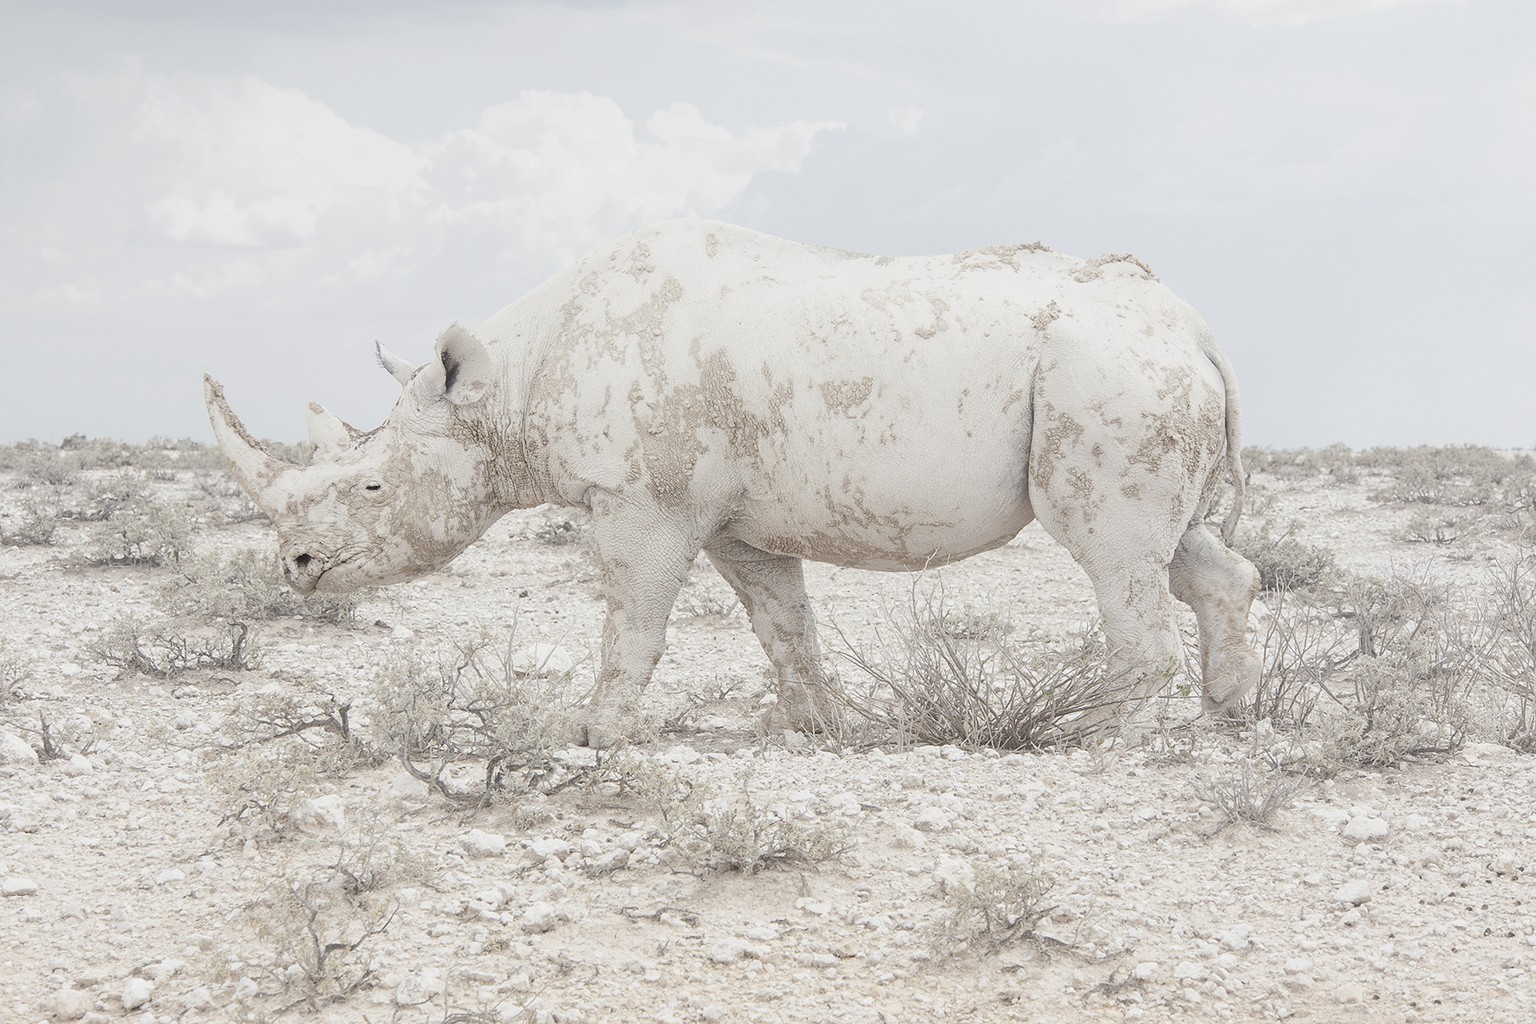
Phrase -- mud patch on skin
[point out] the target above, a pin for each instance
(842, 396)
(1063, 433)
(1093, 269)
(1045, 317)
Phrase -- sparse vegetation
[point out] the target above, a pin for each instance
(1246, 795)
(162, 652)
(940, 678)
(997, 905)
(316, 922)
(470, 704)
(1283, 561)
(245, 585)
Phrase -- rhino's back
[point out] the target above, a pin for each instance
(859, 409)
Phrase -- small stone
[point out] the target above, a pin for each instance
(15, 750)
(483, 844)
(1238, 936)
(137, 992)
(931, 819)
(543, 849)
(542, 917)
(76, 765)
(71, 1003)
(1146, 971)
(170, 875)
(1364, 828)
(401, 633)
(728, 951)
(1506, 864)
(414, 989)
(1350, 992)
(1354, 892)
(405, 788)
(326, 813)
(17, 885)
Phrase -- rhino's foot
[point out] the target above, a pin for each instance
(601, 731)
(800, 709)
(1229, 678)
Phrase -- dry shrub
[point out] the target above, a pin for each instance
(469, 704)
(133, 528)
(162, 652)
(938, 677)
(316, 922)
(1285, 563)
(1249, 796)
(246, 585)
(997, 905)
(36, 525)
(1454, 475)
(1506, 647)
(1378, 672)
(15, 668)
(734, 832)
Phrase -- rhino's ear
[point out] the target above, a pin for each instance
(466, 366)
(328, 432)
(398, 368)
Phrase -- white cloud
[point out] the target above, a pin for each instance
(564, 171)
(1263, 11)
(905, 119)
(245, 185)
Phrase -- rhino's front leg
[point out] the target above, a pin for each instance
(772, 590)
(644, 557)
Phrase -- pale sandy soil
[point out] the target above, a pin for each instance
(123, 874)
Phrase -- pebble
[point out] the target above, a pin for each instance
(137, 992)
(1366, 828)
(15, 750)
(728, 951)
(1354, 892)
(483, 844)
(327, 813)
(170, 875)
(17, 885)
(931, 819)
(405, 788)
(71, 1003)
(76, 765)
(415, 989)
(542, 917)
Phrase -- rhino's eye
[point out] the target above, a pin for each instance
(373, 487)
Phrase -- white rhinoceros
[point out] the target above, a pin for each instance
(697, 386)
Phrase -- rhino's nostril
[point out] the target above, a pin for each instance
(300, 561)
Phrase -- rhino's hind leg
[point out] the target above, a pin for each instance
(1220, 585)
(772, 590)
(644, 558)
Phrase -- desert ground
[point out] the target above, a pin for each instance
(220, 803)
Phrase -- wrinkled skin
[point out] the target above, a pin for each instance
(698, 387)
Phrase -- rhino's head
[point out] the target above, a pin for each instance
(399, 501)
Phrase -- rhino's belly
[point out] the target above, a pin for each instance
(862, 523)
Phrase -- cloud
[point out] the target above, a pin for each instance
(1292, 12)
(564, 171)
(241, 185)
(907, 120)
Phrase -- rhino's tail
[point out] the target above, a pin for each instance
(1234, 433)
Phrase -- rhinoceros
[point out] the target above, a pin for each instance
(700, 387)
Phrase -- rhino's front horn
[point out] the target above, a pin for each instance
(254, 469)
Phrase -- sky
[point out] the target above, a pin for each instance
(1345, 189)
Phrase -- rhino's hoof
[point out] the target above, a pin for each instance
(597, 733)
(800, 712)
